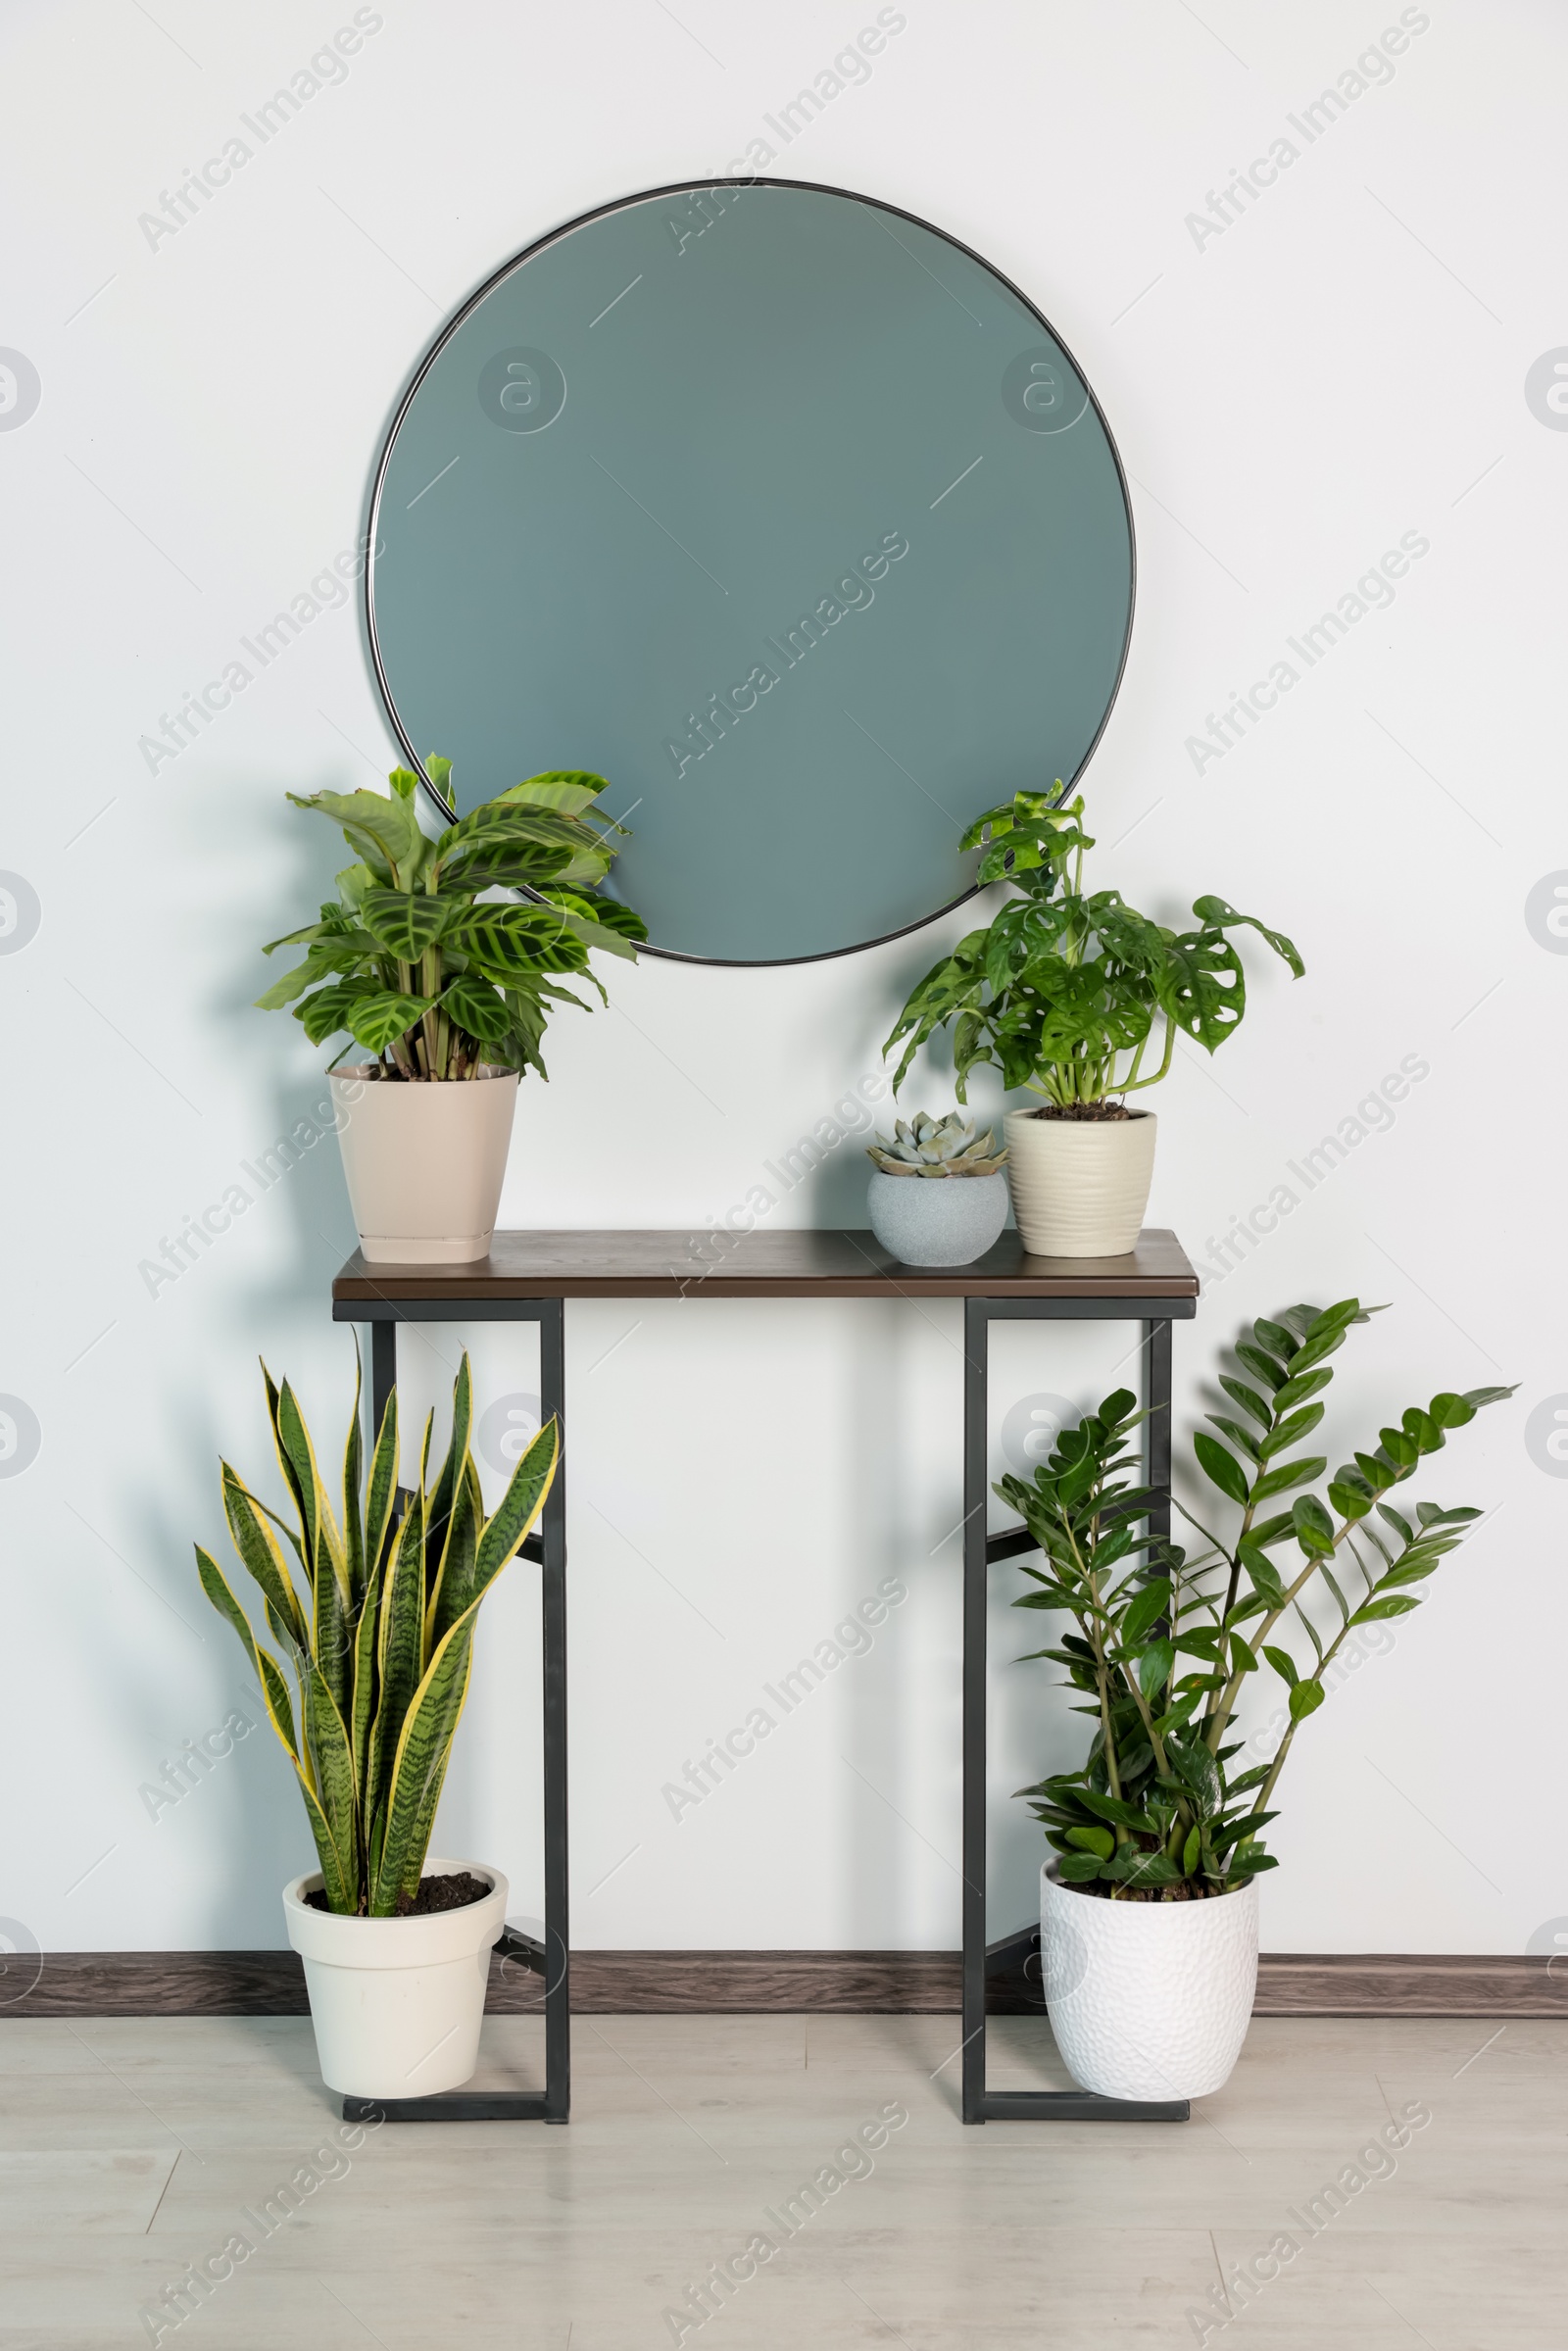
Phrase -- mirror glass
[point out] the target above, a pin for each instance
(783, 512)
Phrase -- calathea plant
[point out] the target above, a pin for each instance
(1068, 993)
(376, 1630)
(1163, 1644)
(423, 960)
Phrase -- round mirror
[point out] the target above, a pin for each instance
(783, 512)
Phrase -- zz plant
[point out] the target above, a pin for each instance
(377, 1630)
(419, 961)
(1164, 1643)
(1069, 993)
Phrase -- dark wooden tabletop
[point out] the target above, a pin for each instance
(790, 1264)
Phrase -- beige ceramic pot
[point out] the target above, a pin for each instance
(1080, 1186)
(424, 1163)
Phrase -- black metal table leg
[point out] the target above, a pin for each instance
(980, 1552)
(1156, 1397)
(557, 1943)
(548, 1549)
(383, 1373)
(976, 1337)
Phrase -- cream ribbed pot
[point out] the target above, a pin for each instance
(1080, 1186)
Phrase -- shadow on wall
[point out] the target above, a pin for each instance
(285, 1186)
(288, 1161)
(824, 1173)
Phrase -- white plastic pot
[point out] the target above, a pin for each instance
(397, 2003)
(1148, 1999)
(1080, 1186)
(425, 1163)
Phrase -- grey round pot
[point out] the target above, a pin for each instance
(936, 1220)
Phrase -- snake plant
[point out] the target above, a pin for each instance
(380, 1640)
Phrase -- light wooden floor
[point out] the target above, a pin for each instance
(130, 2148)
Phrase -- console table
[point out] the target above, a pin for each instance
(527, 1277)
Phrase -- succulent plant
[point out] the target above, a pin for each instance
(936, 1147)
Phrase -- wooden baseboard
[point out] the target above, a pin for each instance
(855, 1982)
(1429, 1983)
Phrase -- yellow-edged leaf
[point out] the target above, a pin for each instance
(444, 1487)
(290, 1478)
(398, 1656)
(334, 1877)
(382, 1501)
(422, 1753)
(273, 1688)
(530, 1482)
(333, 1759)
(453, 1581)
(362, 1710)
(258, 1548)
(353, 1479)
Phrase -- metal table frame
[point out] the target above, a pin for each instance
(981, 1551)
(550, 1959)
(527, 1279)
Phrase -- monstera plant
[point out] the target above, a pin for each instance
(1074, 995)
(422, 960)
(1069, 993)
(371, 1620)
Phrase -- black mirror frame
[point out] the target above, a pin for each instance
(687, 187)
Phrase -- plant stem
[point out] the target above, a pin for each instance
(1164, 1067)
(1228, 1696)
(433, 1022)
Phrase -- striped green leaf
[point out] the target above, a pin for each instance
(323, 1543)
(446, 1485)
(381, 1657)
(297, 1461)
(418, 1840)
(333, 1635)
(362, 1710)
(530, 1482)
(273, 1688)
(333, 1761)
(289, 1534)
(290, 1478)
(398, 1660)
(352, 1507)
(340, 1894)
(258, 1548)
(454, 1584)
(372, 1850)
(404, 921)
(283, 1634)
(381, 1500)
(422, 1755)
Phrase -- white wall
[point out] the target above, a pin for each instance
(1343, 365)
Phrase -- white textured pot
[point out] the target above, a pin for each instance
(424, 1163)
(1148, 1999)
(936, 1220)
(1080, 1186)
(397, 2003)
